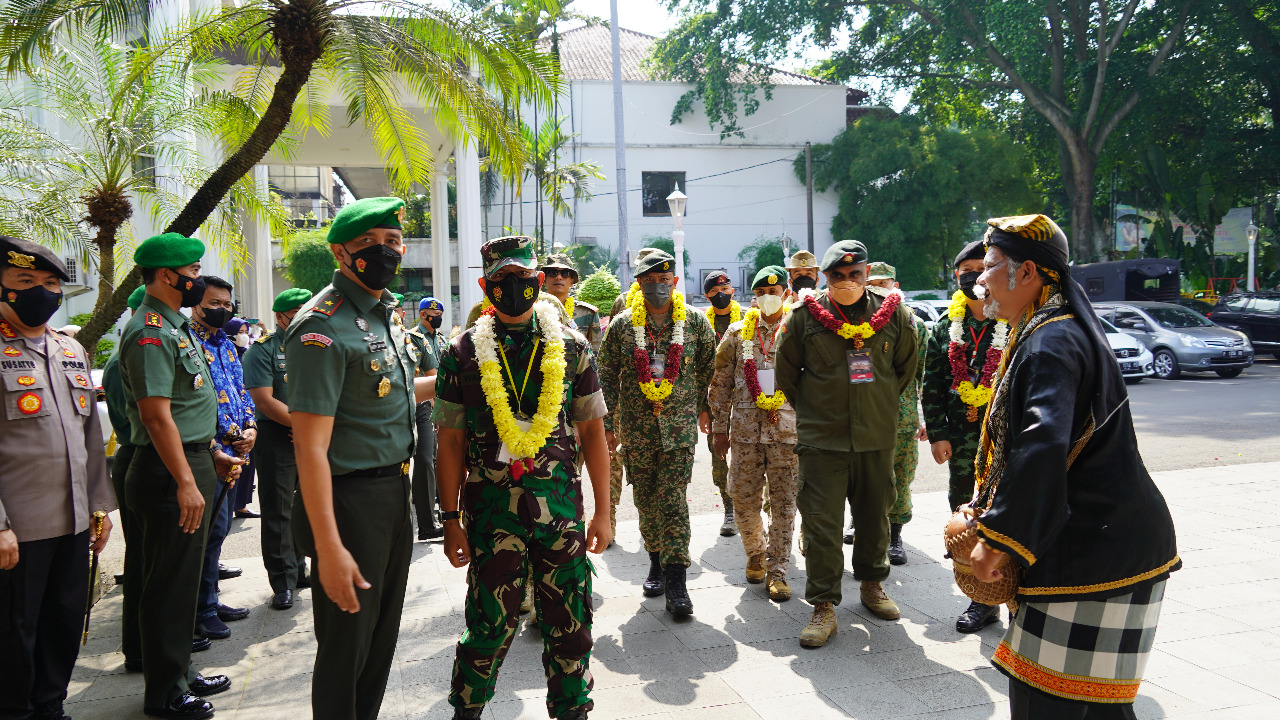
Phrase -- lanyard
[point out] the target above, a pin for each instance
(840, 312)
(977, 338)
(764, 349)
(528, 371)
(654, 338)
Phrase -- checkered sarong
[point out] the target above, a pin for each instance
(1090, 650)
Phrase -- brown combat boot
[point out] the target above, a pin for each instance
(821, 626)
(875, 600)
(755, 569)
(779, 590)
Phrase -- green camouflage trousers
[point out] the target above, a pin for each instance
(660, 483)
(964, 452)
(906, 456)
(759, 471)
(615, 487)
(719, 468)
(504, 545)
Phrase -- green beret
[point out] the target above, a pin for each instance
(845, 252)
(362, 216)
(168, 250)
(399, 299)
(135, 297)
(290, 299)
(881, 271)
(656, 261)
(769, 275)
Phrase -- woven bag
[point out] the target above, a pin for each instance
(960, 537)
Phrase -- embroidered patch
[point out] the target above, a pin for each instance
(26, 380)
(68, 353)
(150, 341)
(153, 320)
(83, 403)
(7, 331)
(84, 382)
(29, 404)
(12, 352)
(316, 340)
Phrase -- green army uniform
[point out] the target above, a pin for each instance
(347, 358)
(427, 341)
(946, 416)
(616, 463)
(474, 313)
(845, 435)
(529, 526)
(161, 357)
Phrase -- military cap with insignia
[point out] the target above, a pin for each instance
(845, 252)
(512, 250)
(559, 260)
(290, 299)
(881, 271)
(714, 279)
(656, 261)
(364, 215)
(975, 250)
(769, 275)
(18, 253)
(168, 250)
(135, 297)
(430, 303)
(802, 259)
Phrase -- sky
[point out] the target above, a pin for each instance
(647, 16)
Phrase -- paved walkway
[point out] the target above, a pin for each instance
(1217, 651)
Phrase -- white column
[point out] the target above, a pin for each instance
(257, 293)
(441, 267)
(467, 163)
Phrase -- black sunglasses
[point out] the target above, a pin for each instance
(560, 272)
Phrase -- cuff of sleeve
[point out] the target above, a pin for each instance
(449, 415)
(588, 408)
(1006, 544)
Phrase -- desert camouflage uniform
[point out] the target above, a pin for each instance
(659, 458)
(719, 466)
(945, 414)
(906, 454)
(512, 525)
(759, 448)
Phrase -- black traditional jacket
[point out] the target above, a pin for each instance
(1100, 528)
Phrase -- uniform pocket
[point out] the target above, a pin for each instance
(82, 393)
(26, 396)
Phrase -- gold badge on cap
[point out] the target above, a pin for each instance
(384, 387)
(773, 279)
(20, 260)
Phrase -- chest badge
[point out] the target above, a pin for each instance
(182, 344)
(384, 386)
(12, 352)
(29, 404)
(68, 353)
(886, 347)
(26, 380)
(375, 366)
(83, 403)
(82, 381)
(198, 382)
(362, 324)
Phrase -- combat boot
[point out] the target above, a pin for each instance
(897, 553)
(821, 626)
(655, 584)
(468, 713)
(755, 569)
(875, 600)
(779, 590)
(730, 526)
(679, 603)
(573, 715)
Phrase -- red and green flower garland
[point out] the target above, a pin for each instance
(862, 331)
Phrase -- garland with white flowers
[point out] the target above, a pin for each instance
(751, 374)
(657, 391)
(975, 396)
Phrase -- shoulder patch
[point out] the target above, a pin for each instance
(7, 331)
(150, 341)
(415, 333)
(328, 304)
(153, 320)
(316, 340)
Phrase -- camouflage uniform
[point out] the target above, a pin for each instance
(659, 458)
(512, 525)
(616, 463)
(719, 465)
(906, 454)
(759, 448)
(945, 414)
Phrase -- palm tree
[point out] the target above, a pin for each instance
(52, 189)
(553, 179)
(298, 53)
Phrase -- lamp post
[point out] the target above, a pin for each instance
(1251, 232)
(676, 201)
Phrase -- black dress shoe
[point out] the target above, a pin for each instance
(226, 573)
(133, 666)
(206, 685)
(282, 600)
(213, 628)
(232, 614)
(656, 584)
(184, 707)
(430, 533)
(248, 514)
(200, 643)
(977, 617)
(468, 713)
(51, 711)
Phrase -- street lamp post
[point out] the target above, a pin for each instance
(1252, 233)
(676, 201)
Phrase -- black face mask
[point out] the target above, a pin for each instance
(802, 282)
(33, 306)
(721, 300)
(192, 289)
(967, 281)
(434, 321)
(375, 266)
(513, 295)
(216, 317)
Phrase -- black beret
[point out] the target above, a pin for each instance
(18, 253)
(656, 261)
(975, 250)
(714, 279)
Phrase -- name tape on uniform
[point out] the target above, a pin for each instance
(317, 340)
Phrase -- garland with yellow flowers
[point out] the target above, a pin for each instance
(568, 306)
(656, 391)
(735, 313)
(975, 396)
(862, 331)
(771, 403)
(523, 445)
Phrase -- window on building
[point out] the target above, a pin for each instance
(71, 270)
(654, 189)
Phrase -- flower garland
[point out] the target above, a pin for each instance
(523, 444)
(975, 396)
(568, 306)
(735, 313)
(773, 402)
(654, 391)
(862, 331)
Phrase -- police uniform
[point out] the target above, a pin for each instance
(264, 367)
(427, 340)
(160, 357)
(53, 479)
(347, 358)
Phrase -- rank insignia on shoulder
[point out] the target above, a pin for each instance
(328, 305)
(7, 331)
(265, 337)
(26, 380)
(12, 352)
(29, 404)
(153, 320)
(316, 340)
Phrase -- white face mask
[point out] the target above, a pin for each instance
(242, 340)
(769, 304)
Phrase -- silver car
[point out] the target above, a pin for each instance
(1180, 340)
(1134, 358)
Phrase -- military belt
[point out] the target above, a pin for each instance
(392, 470)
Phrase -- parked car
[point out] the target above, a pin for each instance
(925, 312)
(1200, 306)
(1180, 340)
(1134, 358)
(1256, 314)
(939, 306)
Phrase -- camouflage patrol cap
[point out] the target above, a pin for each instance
(559, 260)
(512, 250)
(881, 271)
(656, 261)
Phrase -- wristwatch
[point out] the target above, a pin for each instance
(447, 515)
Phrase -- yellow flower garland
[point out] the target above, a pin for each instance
(735, 313)
(521, 443)
(654, 391)
(568, 306)
(970, 394)
(764, 402)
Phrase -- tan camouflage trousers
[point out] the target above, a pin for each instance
(757, 470)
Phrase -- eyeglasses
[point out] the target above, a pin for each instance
(559, 272)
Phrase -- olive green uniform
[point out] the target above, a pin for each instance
(264, 366)
(347, 359)
(160, 357)
(427, 341)
(846, 434)
(130, 529)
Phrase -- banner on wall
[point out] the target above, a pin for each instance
(1230, 237)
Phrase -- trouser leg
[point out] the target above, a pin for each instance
(719, 469)
(562, 592)
(906, 456)
(615, 487)
(660, 483)
(824, 485)
(278, 481)
(782, 468)
(746, 489)
(872, 494)
(1030, 703)
(242, 494)
(964, 452)
(207, 601)
(131, 532)
(424, 470)
(172, 560)
(355, 651)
